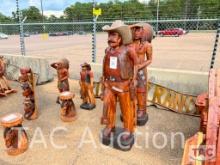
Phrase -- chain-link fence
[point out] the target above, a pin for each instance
(77, 27)
(73, 40)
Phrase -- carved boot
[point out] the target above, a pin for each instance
(142, 117)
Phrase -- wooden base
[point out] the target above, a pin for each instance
(68, 119)
(34, 116)
(115, 142)
(87, 106)
(141, 121)
(8, 92)
(15, 152)
(23, 146)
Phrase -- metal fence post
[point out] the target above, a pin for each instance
(94, 36)
(21, 24)
(158, 8)
(215, 47)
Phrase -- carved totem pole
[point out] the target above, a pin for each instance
(15, 137)
(27, 81)
(86, 87)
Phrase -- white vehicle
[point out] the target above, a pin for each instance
(3, 36)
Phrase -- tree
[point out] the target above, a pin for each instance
(52, 18)
(128, 10)
(32, 13)
(79, 11)
(4, 18)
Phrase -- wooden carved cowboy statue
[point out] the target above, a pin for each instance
(4, 85)
(142, 36)
(28, 85)
(15, 137)
(62, 68)
(119, 77)
(68, 110)
(86, 85)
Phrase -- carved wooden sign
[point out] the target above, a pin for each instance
(173, 100)
(165, 97)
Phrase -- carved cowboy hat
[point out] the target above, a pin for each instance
(85, 64)
(122, 29)
(25, 70)
(148, 30)
(66, 95)
(11, 120)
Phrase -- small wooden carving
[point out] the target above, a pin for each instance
(15, 137)
(62, 68)
(4, 85)
(27, 81)
(86, 87)
(68, 110)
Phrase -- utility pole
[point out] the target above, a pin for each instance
(21, 29)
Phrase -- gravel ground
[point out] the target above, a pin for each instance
(88, 124)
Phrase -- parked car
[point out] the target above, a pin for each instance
(68, 33)
(61, 33)
(3, 36)
(26, 34)
(172, 32)
(82, 33)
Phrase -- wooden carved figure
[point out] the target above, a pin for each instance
(119, 77)
(68, 110)
(4, 85)
(142, 36)
(15, 137)
(86, 87)
(62, 68)
(27, 81)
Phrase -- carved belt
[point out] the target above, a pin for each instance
(114, 79)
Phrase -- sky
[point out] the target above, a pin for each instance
(55, 7)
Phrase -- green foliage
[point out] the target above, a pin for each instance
(32, 13)
(4, 18)
(128, 10)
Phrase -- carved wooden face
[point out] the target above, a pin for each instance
(114, 39)
(84, 68)
(28, 105)
(67, 103)
(24, 77)
(26, 89)
(137, 33)
(59, 65)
